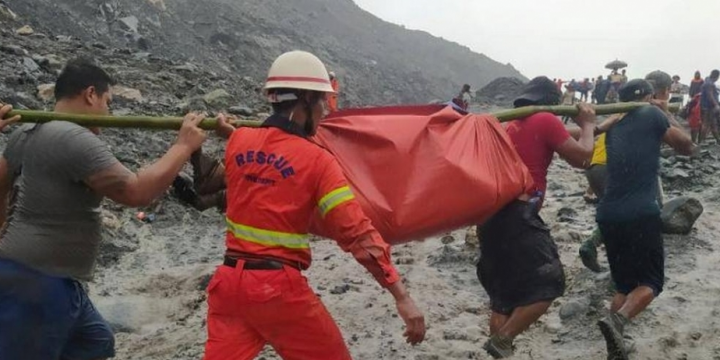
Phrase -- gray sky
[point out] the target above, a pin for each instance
(571, 38)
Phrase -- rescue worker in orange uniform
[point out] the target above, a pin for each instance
(333, 96)
(278, 181)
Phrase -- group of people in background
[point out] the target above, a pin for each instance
(601, 90)
(702, 110)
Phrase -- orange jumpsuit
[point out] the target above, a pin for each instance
(333, 98)
(277, 182)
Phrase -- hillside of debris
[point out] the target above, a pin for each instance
(377, 62)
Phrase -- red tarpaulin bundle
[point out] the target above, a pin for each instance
(420, 170)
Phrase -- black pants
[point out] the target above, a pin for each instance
(635, 253)
(519, 263)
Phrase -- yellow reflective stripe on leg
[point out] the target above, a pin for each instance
(335, 198)
(268, 237)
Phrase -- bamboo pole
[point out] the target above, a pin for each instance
(142, 122)
(571, 110)
(174, 123)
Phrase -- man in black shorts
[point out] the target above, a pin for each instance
(520, 269)
(629, 215)
(519, 266)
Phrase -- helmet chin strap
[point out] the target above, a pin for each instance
(309, 127)
(309, 122)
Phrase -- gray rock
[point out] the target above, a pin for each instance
(340, 289)
(63, 38)
(130, 22)
(567, 237)
(447, 239)
(679, 215)
(471, 238)
(186, 68)
(240, 110)
(25, 30)
(6, 13)
(455, 334)
(218, 98)
(553, 185)
(677, 174)
(14, 50)
(196, 103)
(566, 214)
(41, 60)
(53, 62)
(571, 309)
(99, 45)
(667, 152)
(46, 92)
(682, 158)
(126, 93)
(30, 64)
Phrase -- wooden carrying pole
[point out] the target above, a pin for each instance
(174, 123)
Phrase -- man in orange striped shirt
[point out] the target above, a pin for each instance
(278, 183)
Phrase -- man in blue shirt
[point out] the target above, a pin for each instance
(628, 214)
(710, 109)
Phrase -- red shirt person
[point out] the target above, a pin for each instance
(519, 265)
(538, 137)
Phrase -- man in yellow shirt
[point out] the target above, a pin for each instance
(597, 179)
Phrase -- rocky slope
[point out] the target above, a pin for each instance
(377, 62)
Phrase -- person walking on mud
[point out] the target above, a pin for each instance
(628, 214)
(597, 173)
(464, 98)
(278, 184)
(710, 108)
(53, 177)
(602, 86)
(519, 265)
(695, 85)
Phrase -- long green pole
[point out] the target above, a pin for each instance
(570, 110)
(174, 123)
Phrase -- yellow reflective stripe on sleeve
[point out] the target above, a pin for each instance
(268, 237)
(335, 198)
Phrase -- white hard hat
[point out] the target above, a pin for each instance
(298, 70)
(331, 73)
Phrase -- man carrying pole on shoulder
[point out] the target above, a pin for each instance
(53, 177)
(629, 214)
(278, 182)
(519, 264)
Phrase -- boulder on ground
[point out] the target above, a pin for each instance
(679, 215)
(25, 30)
(127, 93)
(130, 22)
(240, 110)
(46, 92)
(218, 98)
